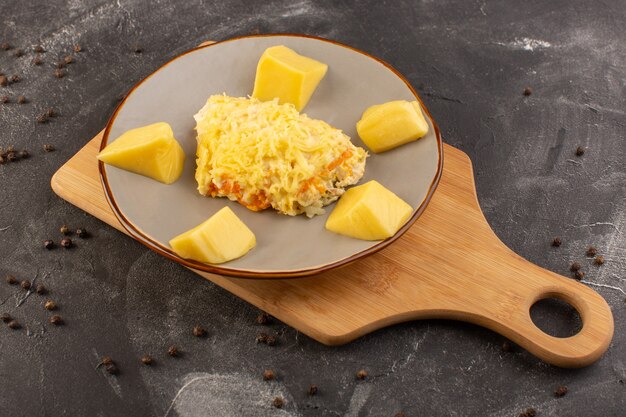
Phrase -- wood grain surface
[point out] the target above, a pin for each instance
(449, 265)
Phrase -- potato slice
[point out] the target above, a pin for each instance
(221, 238)
(386, 126)
(150, 150)
(291, 77)
(369, 212)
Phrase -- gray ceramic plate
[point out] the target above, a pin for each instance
(286, 246)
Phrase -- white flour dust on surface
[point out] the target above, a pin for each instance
(526, 44)
(230, 395)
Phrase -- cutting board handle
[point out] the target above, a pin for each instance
(511, 316)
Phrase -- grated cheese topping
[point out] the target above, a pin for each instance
(265, 154)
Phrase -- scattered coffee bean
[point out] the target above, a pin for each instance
(59, 73)
(173, 351)
(599, 260)
(4, 99)
(48, 244)
(106, 360)
(11, 280)
(112, 369)
(529, 412)
(56, 320)
(14, 325)
(48, 147)
(575, 267)
(362, 374)
(507, 346)
(579, 275)
(312, 389)
(199, 331)
(271, 341)
(50, 305)
(37, 60)
(528, 91)
(19, 53)
(278, 402)
(66, 242)
(263, 318)
(77, 48)
(5, 46)
(24, 154)
(39, 49)
(556, 242)
(591, 251)
(26, 284)
(4, 81)
(40, 289)
(146, 360)
(21, 99)
(560, 391)
(82, 233)
(580, 151)
(268, 375)
(42, 118)
(65, 230)
(15, 78)
(6, 317)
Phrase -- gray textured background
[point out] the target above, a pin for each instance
(471, 60)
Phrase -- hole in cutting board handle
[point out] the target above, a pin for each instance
(556, 317)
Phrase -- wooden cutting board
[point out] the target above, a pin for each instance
(449, 265)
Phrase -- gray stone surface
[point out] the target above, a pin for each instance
(470, 60)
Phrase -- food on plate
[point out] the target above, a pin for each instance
(150, 150)
(266, 154)
(369, 212)
(284, 74)
(389, 125)
(221, 238)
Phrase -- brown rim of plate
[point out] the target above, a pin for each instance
(238, 273)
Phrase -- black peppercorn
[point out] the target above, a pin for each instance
(528, 91)
(271, 341)
(112, 369)
(50, 112)
(6, 317)
(556, 242)
(580, 151)
(575, 267)
(146, 360)
(313, 389)
(37, 60)
(59, 73)
(66, 242)
(4, 99)
(77, 48)
(560, 391)
(26, 284)
(137, 49)
(60, 65)
(278, 402)
(50, 305)
(579, 275)
(68, 59)
(599, 260)
(82, 233)
(268, 375)
(42, 118)
(261, 338)
(14, 325)
(56, 320)
(529, 412)
(15, 78)
(21, 99)
(5, 46)
(173, 351)
(199, 331)
(12, 157)
(64, 230)
(40, 289)
(263, 318)
(39, 49)
(24, 154)
(19, 53)
(592, 251)
(106, 360)
(11, 280)
(48, 244)
(48, 147)
(362, 374)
